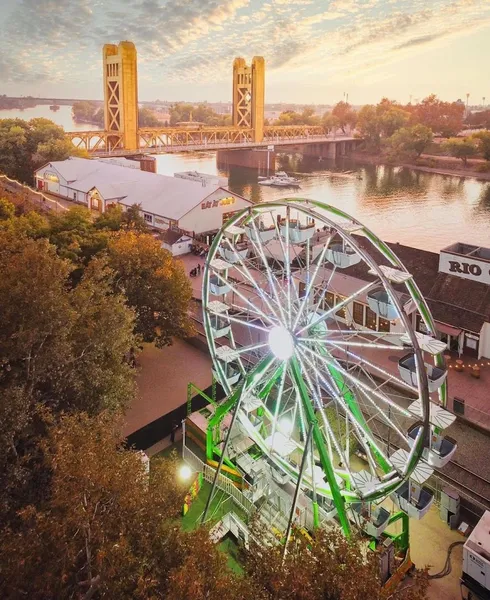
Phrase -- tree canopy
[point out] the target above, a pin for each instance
(462, 148)
(26, 145)
(201, 113)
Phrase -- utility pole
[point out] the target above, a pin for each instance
(467, 104)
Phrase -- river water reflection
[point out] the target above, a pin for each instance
(400, 205)
(414, 208)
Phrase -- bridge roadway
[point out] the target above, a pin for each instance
(177, 139)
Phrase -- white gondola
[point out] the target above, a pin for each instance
(220, 325)
(342, 256)
(234, 255)
(407, 368)
(218, 287)
(438, 450)
(263, 234)
(380, 302)
(412, 497)
(298, 232)
(371, 518)
(227, 358)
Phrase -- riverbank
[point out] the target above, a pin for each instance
(445, 165)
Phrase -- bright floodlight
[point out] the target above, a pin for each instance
(281, 342)
(185, 472)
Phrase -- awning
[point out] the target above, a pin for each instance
(447, 329)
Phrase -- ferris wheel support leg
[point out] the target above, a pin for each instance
(235, 400)
(322, 450)
(298, 487)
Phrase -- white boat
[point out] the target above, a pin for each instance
(280, 179)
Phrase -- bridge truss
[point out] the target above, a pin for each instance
(176, 139)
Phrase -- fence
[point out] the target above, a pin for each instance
(223, 483)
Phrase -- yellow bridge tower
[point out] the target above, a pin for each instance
(121, 95)
(249, 95)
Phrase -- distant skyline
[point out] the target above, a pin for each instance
(315, 50)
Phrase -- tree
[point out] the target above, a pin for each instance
(24, 145)
(391, 117)
(462, 148)
(369, 126)
(108, 529)
(319, 569)
(133, 219)
(444, 118)
(146, 118)
(410, 142)
(156, 286)
(345, 115)
(330, 122)
(483, 141)
(84, 111)
(7, 209)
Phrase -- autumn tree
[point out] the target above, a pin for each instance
(327, 567)
(462, 148)
(108, 529)
(60, 347)
(156, 286)
(444, 118)
(345, 114)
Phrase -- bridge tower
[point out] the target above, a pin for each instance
(249, 95)
(121, 95)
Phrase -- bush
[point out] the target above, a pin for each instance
(484, 168)
(426, 162)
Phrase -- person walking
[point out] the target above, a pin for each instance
(175, 427)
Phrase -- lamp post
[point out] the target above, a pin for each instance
(467, 104)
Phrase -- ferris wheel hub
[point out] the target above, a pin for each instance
(281, 342)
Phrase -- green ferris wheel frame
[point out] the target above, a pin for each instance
(250, 380)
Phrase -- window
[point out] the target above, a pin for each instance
(341, 312)
(371, 319)
(358, 313)
(74, 196)
(471, 343)
(302, 289)
(383, 324)
(148, 218)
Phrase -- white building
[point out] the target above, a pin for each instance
(194, 207)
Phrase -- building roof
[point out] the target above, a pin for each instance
(169, 197)
(462, 303)
(171, 237)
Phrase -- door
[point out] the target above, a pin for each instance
(470, 347)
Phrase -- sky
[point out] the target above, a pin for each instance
(315, 50)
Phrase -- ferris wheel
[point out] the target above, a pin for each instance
(315, 327)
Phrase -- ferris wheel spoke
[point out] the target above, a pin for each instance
(247, 275)
(235, 319)
(270, 275)
(339, 306)
(278, 402)
(326, 288)
(245, 299)
(363, 361)
(311, 283)
(363, 434)
(338, 343)
(356, 381)
(326, 425)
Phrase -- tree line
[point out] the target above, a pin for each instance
(81, 515)
(401, 132)
(87, 111)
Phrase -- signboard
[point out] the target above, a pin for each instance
(270, 148)
(215, 203)
(465, 267)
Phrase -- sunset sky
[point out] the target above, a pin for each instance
(315, 50)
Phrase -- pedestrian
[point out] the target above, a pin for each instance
(198, 268)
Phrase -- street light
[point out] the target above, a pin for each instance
(185, 472)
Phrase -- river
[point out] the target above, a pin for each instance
(419, 209)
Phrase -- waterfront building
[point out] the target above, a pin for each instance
(196, 207)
